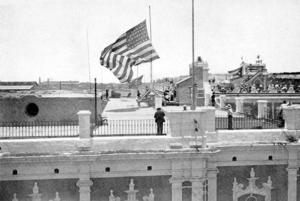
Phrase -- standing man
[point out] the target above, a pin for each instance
(106, 94)
(138, 94)
(229, 115)
(280, 115)
(213, 99)
(159, 117)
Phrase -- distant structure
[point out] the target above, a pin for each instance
(254, 78)
(17, 86)
(248, 74)
(41, 105)
(184, 86)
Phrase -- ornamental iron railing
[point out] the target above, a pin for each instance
(38, 129)
(246, 121)
(127, 127)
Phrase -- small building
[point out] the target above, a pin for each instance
(248, 75)
(184, 86)
(254, 78)
(17, 86)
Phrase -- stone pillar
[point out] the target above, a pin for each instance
(197, 190)
(182, 122)
(273, 110)
(176, 189)
(292, 184)
(239, 101)
(158, 102)
(84, 189)
(262, 108)
(207, 99)
(151, 100)
(212, 184)
(221, 101)
(291, 115)
(84, 124)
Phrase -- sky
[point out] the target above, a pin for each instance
(62, 39)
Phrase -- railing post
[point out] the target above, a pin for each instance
(221, 101)
(84, 123)
(182, 122)
(262, 108)
(84, 130)
(239, 101)
(158, 102)
(291, 116)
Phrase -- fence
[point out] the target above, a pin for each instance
(244, 121)
(128, 127)
(39, 129)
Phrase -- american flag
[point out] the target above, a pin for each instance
(136, 82)
(131, 48)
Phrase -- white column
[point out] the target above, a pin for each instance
(197, 190)
(239, 101)
(176, 189)
(158, 102)
(292, 184)
(84, 123)
(212, 184)
(84, 189)
(221, 101)
(262, 108)
(291, 116)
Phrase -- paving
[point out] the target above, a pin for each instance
(127, 108)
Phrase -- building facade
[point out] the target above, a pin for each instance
(184, 165)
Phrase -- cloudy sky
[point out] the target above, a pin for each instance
(48, 38)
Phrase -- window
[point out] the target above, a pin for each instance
(32, 109)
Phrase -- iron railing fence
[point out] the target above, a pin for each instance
(246, 121)
(38, 129)
(128, 127)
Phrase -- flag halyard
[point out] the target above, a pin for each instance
(130, 49)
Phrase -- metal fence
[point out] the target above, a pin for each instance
(244, 121)
(38, 129)
(128, 127)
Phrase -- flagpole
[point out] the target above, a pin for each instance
(95, 113)
(88, 52)
(151, 82)
(193, 106)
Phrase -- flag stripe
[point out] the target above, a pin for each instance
(121, 49)
(140, 51)
(120, 65)
(119, 45)
(125, 70)
(135, 48)
(148, 58)
(148, 55)
(128, 76)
